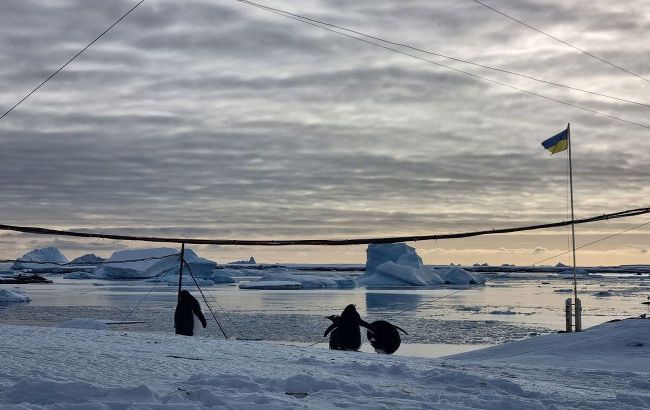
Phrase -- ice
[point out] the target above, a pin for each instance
(458, 276)
(271, 285)
(200, 267)
(10, 296)
(87, 259)
(399, 265)
(579, 271)
(250, 261)
(133, 270)
(79, 274)
(84, 324)
(293, 281)
(50, 254)
(400, 253)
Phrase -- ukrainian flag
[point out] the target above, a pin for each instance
(557, 143)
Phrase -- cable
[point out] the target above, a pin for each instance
(502, 70)
(150, 290)
(286, 14)
(326, 242)
(594, 242)
(70, 60)
(234, 323)
(84, 264)
(559, 40)
(204, 299)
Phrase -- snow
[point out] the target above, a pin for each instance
(287, 280)
(84, 324)
(605, 367)
(50, 254)
(10, 296)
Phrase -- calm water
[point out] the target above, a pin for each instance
(438, 323)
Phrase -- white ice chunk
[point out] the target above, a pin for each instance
(7, 295)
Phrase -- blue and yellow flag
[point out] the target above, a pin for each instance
(557, 143)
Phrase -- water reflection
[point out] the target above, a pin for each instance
(377, 302)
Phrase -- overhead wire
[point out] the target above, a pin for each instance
(225, 313)
(147, 294)
(327, 242)
(460, 60)
(477, 76)
(559, 40)
(470, 286)
(70, 60)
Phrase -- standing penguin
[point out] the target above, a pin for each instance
(346, 334)
(186, 308)
(385, 338)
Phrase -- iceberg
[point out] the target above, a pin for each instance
(458, 276)
(398, 264)
(135, 270)
(286, 280)
(39, 257)
(87, 259)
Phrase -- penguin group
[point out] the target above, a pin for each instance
(345, 333)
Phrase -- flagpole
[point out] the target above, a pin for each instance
(576, 301)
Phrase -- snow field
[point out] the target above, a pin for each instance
(52, 368)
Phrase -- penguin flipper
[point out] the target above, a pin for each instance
(329, 329)
(368, 326)
(400, 329)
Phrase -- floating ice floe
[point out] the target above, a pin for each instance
(399, 265)
(84, 324)
(286, 280)
(79, 274)
(10, 296)
(579, 272)
(38, 259)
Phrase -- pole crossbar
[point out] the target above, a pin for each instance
(324, 242)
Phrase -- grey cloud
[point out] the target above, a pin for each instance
(203, 119)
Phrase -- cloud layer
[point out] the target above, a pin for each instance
(225, 119)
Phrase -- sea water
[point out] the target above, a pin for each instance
(439, 321)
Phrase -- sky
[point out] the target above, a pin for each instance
(215, 119)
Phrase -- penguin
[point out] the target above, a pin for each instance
(346, 334)
(186, 308)
(385, 339)
(334, 335)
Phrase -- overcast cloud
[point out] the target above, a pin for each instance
(216, 119)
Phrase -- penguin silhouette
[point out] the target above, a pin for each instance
(385, 339)
(346, 334)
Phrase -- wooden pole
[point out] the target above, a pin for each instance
(180, 270)
(568, 315)
(576, 304)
